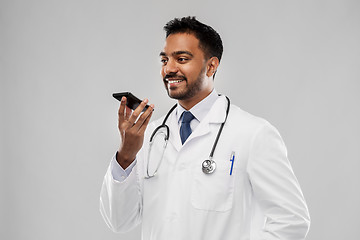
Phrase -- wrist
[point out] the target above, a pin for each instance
(124, 160)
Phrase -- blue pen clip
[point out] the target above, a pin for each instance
(232, 158)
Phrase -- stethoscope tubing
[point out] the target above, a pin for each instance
(208, 166)
(221, 128)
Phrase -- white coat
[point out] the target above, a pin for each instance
(260, 200)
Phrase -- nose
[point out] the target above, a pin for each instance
(170, 67)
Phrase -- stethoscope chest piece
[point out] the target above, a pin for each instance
(208, 166)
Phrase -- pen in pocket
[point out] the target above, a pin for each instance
(232, 158)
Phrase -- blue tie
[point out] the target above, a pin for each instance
(185, 129)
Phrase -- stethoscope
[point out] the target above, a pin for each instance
(208, 165)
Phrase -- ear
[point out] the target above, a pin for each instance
(212, 66)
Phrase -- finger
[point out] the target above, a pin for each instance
(147, 120)
(143, 117)
(136, 113)
(128, 112)
(121, 113)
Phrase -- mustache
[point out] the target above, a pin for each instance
(167, 76)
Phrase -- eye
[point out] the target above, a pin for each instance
(182, 59)
(163, 61)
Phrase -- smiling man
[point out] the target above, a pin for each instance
(206, 170)
(186, 70)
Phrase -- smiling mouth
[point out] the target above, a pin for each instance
(172, 81)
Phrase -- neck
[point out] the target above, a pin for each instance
(189, 103)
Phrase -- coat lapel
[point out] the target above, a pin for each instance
(216, 115)
(174, 138)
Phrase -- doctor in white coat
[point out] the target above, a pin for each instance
(252, 194)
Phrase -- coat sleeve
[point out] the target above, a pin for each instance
(120, 202)
(276, 188)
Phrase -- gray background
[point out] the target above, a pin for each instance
(295, 63)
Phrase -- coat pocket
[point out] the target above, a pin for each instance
(215, 191)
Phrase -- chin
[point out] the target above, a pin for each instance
(176, 95)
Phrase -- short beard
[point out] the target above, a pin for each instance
(191, 90)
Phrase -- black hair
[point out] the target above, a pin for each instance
(210, 41)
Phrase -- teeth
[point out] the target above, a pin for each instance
(174, 81)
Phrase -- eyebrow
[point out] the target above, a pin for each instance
(176, 53)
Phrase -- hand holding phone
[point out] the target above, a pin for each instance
(132, 126)
(131, 101)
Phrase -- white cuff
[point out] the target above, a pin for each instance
(118, 173)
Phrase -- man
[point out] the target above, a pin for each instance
(251, 193)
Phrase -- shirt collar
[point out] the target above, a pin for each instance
(201, 109)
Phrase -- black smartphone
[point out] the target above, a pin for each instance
(131, 101)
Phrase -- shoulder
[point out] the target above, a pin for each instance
(248, 123)
(245, 118)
